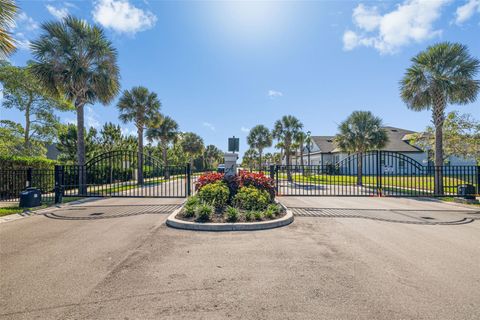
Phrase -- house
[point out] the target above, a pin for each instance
(324, 152)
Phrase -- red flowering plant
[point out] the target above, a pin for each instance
(208, 178)
(259, 181)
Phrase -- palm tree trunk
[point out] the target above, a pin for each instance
(438, 119)
(289, 172)
(27, 125)
(260, 160)
(140, 156)
(359, 168)
(165, 160)
(82, 174)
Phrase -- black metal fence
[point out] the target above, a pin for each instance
(378, 173)
(12, 182)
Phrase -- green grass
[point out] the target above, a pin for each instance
(452, 199)
(5, 211)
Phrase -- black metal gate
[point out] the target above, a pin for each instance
(123, 174)
(376, 173)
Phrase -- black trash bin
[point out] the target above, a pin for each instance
(466, 191)
(30, 198)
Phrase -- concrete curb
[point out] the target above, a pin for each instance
(240, 226)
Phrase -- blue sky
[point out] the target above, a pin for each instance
(221, 68)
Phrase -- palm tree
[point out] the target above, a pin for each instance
(165, 132)
(141, 107)
(442, 74)
(212, 154)
(192, 144)
(76, 61)
(249, 158)
(300, 140)
(359, 133)
(285, 130)
(8, 10)
(259, 138)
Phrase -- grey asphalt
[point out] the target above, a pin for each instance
(106, 260)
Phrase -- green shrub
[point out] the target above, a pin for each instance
(258, 215)
(269, 214)
(189, 210)
(249, 215)
(274, 208)
(192, 201)
(215, 194)
(18, 162)
(204, 212)
(232, 214)
(251, 198)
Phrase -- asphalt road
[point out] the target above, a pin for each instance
(105, 260)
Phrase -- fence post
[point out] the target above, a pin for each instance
(272, 172)
(379, 173)
(58, 184)
(28, 183)
(189, 180)
(478, 180)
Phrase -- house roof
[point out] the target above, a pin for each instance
(397, 141)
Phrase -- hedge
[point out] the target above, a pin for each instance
(18, 163)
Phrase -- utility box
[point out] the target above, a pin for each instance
(230, 163)
(30, 198)
(466, 191)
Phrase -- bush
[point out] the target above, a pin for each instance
(192, 201)
(258, 180)
(189, 210)
(204, 212)
(251, 198)
(249, 215)
(232, 214)
(258, 215)
(208, 178)
(17, 162)
(215, 194)
(274, 208)
(269, 214)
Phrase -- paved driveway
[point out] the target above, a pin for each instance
(320, 267)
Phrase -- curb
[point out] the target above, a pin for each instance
(240, 226)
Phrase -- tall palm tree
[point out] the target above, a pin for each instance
(300, 139)
(259, 138)
(442, 74)
(142, 107)
(212, 154)
(359, 133)
(165, 133)
(8, 10)
(74, 60)
(192, 144)
(249, 158)
(285, 131)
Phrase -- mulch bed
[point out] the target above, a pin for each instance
(219, 217)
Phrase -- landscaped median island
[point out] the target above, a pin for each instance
(245, 201)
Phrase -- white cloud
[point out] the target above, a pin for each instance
(245, 129)
(58, 13)
(467, 11)
(209, 126)
(91, 119)
(411, 21)
(122, 17)
(23, 30)
(272, 94)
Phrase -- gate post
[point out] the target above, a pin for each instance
(478, 180)
(272, 172)
(379, 173)
(189, 180)
(28, 183)
(58, 184)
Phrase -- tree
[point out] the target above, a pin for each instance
(165, 132)
(461, 136)
(285, 130)
(249, 158)
(442, 74)
(111, 138)
(75, 60)
(192, 145)
(213, 156)
(300, 140)
(143, 108)
(11, 135)
(359, 133)
(21, 90)
(259, 138)
(7, 15)
(67, 143)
